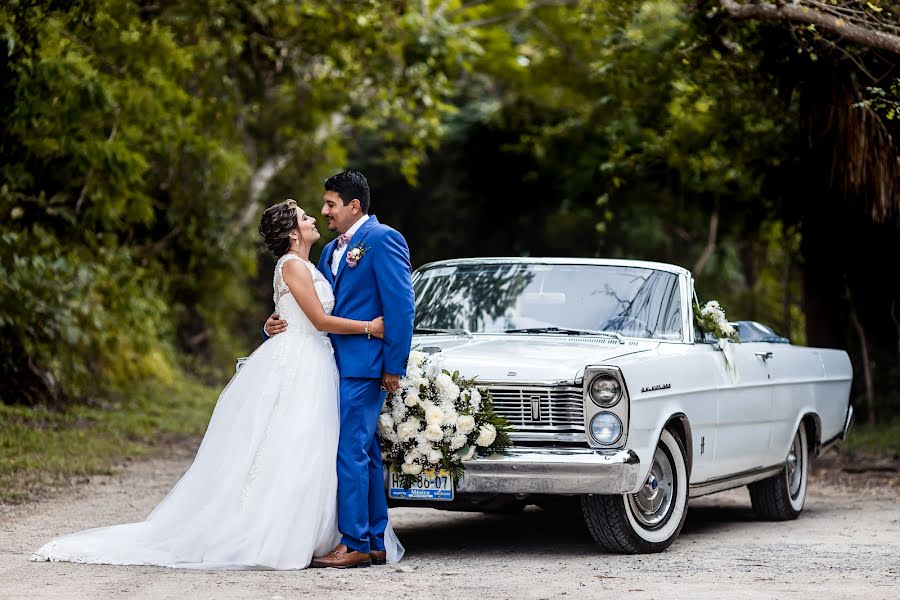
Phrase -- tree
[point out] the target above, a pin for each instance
(139, 140)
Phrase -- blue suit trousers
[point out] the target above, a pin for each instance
(362, 505)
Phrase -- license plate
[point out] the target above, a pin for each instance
(429, 485)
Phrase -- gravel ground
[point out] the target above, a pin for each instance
(845, 545)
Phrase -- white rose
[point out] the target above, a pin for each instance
(465, 424)
(411, 457)
(447, 390)
(433, 414)
(415, 359)
(486, 435)
(711, 306)
(443, 380)
(434, 433)
(457, 442)
(407, 429)
(412, 399)
(411, 469)
(385, 424)
(435, 456)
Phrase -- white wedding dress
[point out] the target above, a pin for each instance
(262, 490)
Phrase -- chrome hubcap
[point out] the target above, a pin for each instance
(794, 467)
(651, 504)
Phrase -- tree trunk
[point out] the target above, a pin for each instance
(711, 241)
(866, 362)
(786, 296)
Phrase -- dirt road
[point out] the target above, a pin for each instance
(845, 545)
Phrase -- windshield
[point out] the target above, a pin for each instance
(493, 298)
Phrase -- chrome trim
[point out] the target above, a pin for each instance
(520, 470)
(728, 482)
(613, 443)
(621, 409)
(686, 285)
(619, 396)
(548, 436)
(535, 382)
(524, 260)
(842, 435)
(848, 423)
(560, 408)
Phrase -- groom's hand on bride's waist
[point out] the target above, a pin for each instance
(274, 325)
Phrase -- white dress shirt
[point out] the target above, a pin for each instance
(339, 252)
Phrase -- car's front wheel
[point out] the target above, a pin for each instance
(649, 520)
(781, 497)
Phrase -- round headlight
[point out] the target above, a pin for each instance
(606, 428)
(605, 390)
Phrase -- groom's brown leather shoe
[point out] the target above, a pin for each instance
(342, 557)
(379, 557)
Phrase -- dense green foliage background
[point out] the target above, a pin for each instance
(140, 141)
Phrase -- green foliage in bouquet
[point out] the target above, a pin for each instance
(711, 318)
(438, 420)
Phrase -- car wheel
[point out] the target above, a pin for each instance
(649, 520)
(781, 497)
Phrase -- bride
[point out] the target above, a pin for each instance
(262, 490)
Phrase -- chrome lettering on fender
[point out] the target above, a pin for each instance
(653, 388)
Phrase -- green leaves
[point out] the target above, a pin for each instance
(132, 133)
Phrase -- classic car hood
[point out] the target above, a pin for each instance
(526, 357)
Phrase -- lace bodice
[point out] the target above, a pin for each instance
(287, 307)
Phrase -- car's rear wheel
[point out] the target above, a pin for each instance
(649, 520)
(781, 497)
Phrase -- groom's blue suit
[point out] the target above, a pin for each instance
(380, 284)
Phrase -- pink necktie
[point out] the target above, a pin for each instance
(343, 240)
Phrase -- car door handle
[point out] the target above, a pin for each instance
(764, 355)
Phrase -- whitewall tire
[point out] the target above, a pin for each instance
(781, 497)
(649, 520)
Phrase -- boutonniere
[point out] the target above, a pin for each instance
(355, 254)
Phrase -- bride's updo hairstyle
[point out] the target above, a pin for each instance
(276, 225)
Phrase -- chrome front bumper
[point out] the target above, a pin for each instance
(520, 470)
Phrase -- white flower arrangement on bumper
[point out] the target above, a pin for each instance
(437, 419)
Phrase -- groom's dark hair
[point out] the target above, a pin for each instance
(349, 185)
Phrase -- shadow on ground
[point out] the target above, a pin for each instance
(534, 531)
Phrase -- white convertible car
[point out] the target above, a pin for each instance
(618, 400)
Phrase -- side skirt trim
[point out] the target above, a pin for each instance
(728, 482)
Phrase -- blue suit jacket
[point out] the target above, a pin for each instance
(379, 285)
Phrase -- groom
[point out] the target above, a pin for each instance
(368, 267)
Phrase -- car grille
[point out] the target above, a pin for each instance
(540, 409)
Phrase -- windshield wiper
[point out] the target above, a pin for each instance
(427, 331)
(566, 331)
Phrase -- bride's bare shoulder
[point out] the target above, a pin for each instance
(296, 269)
